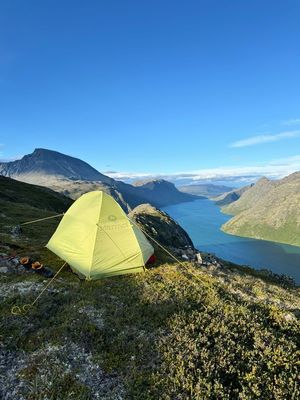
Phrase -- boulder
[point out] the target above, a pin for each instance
(161, 227)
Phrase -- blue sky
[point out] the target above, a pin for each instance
(154, 87)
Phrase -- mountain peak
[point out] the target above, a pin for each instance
(263, 180)
(40, 150)
(49, 163)
(151, 183)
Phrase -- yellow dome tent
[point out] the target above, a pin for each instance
(97, 239)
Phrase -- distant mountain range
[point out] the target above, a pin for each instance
(229, 197)
(73, 177)
(205, 189)
(268, 210)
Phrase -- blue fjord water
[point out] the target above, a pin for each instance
(202, 220)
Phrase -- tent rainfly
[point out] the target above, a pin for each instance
(97, 239)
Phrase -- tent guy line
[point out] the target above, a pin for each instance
(41, 219)
(97, 239)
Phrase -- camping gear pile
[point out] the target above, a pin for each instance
(32, 264)
(14, 264)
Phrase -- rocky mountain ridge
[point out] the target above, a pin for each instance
(73, 177)
(230, 197)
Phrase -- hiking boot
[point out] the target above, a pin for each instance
(26, 262)
(47, 272)
(42, 270)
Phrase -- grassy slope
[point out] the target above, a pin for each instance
(164, 334)
(36, 196)
(21, 202)
(269, 210)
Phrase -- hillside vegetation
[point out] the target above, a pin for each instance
(173, 332)
(268, 210)
(164, 334)
(13, 191)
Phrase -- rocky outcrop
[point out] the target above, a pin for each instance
(168, 233)
(161, 227)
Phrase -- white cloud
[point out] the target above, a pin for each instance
(123, 176)
(291, 122)
(277, 168)
(259, 139)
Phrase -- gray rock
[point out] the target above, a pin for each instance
(16, 230)
(199, 258)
